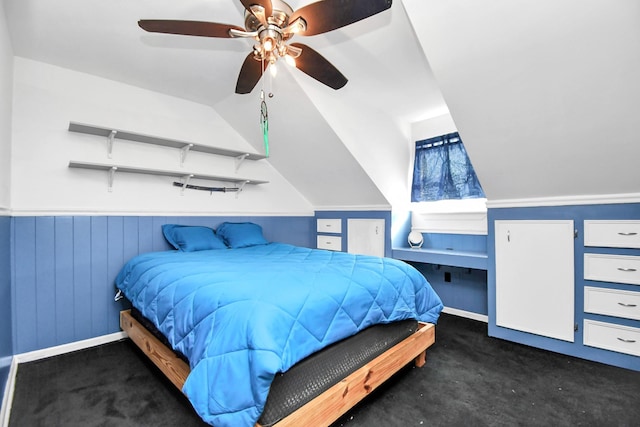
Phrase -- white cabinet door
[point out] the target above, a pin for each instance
(365, 236)
(535, 277)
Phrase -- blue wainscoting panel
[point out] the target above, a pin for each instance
(24, 285)
(6, 346)
(64, 267)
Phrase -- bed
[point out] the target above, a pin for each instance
(243, 310)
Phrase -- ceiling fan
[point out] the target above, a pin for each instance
(272, 23)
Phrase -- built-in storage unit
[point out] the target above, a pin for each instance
(329, 233)
(456, 267)
(184, 147)
(615, 293)
(366, 236)
(535, 277)
(605, 306)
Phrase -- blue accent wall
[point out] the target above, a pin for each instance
(459, 288)
(444, 261)
(578, 214)
(64, 269)
(6, 348)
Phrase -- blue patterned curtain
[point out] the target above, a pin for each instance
(443, 171)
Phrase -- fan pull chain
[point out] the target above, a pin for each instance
(264, 116)
(264, 123)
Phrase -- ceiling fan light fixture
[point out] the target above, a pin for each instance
(272, 24)
(297, 26)
(290, 60)
(268, 44)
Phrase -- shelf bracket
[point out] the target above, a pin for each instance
(112, 172)
(239, 160)
(185, 182)
(183, 153)
(241, 187)
(110, 139)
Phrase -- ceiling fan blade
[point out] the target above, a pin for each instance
(266, 5)
(188, 28)
(315, 65)
(327, 15)
(250, 74)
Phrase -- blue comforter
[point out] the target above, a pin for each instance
(242, 315)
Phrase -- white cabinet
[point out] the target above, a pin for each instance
(332, 243)
(612, 302)
(366, 236)
(623, 339)
(329, 225)
(612, 268)
(612, 234)
(333, 240)
(535, 277)
(624, 270)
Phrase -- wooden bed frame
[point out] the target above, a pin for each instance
(325, 408)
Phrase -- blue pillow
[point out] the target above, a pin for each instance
(241, 234)
(187, 238)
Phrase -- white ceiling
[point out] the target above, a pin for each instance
(380, 56)
(544, 95)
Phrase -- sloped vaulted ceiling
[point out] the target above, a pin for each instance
(545, 94)
(346, 148)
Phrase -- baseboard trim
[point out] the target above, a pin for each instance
(467, 314)
(68, 348)
(31, 356)
(7, 399)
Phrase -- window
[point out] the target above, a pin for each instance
(443, 171)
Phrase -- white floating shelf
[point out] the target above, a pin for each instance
(184, 146)
(112, 168)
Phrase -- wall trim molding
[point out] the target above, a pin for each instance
(603, 199)
(81, 212)
(466, 314)
(57, 350)
(353, 208)
(31, 356)
(5, 409)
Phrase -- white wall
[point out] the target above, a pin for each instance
(6, 83)
(545, 94)
(432, 127)
(48, 97)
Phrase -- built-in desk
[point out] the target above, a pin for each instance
(465, 259)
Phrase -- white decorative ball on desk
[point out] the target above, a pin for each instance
(415, 240)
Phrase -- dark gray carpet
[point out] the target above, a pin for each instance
(469, 380)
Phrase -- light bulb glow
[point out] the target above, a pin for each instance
(268, 44)
(290, 60)
(273, 69)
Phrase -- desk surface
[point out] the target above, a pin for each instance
(466, 259)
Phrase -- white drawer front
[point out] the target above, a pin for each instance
(333, 243)
(612, 268)
(329, 225)
(608, 336)
(612, 234)
(612, 302)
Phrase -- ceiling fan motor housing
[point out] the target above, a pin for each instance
(279, 16)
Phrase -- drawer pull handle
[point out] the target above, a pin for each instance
(629, 270)
(627, 305)
(627, 341)
(628, 234)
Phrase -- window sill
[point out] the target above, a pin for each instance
(450, 223)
